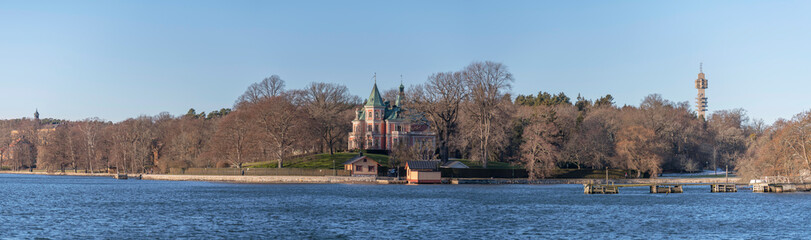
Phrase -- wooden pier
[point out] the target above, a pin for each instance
(602, 188)
(779, 187)
(721, 188)
(666, 189)
(768, 184)
(779, 184)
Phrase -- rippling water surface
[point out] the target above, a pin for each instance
(59, 207)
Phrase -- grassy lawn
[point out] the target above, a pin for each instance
(706, 176)
(490, 165)
(318, 161)
(590, 173)
(323, 161)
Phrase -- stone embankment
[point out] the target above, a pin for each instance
(373, 180)
(587, 181)
(260, 179)
(218, 178)
(60, 173)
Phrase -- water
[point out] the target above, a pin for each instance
(60, 207)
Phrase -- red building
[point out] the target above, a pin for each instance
(381, 125)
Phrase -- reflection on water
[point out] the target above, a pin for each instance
(94, 207)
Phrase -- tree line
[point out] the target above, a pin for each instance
(266, 123)
(475, 117)
(471, 111)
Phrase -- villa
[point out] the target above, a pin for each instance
(382, 125)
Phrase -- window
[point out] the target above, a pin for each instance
(359, 168)
(364, 160)
(371, 168)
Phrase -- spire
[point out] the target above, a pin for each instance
(374, 98)
(36, 114)
(401, 95)
(701, 70)
(401, 83)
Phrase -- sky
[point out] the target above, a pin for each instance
(120, 59)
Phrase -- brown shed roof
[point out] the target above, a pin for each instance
(422, 164)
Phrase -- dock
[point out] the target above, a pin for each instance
(600, 189)
(667, 188)
(720, 188)
(780, 187)
(779, 184)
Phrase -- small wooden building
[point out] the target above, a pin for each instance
(362, 166)
(454, 164)
(423, 172)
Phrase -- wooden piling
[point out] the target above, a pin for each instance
(600, 189)
(666, 189)
(721, 188)
(774, 188)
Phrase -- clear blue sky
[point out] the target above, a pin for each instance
(120, 59)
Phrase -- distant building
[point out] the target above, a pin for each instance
(701, 100)
(423, 172)
(380, 125)
(453, 164)
(362, 166)
(41, 132)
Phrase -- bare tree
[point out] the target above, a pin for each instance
(90, 130)
(539, 153)
(191, 136)
(592, 142)
(233, 140)
(279, 121)
(639, 146)
(132, 139)
(269, 87)
(330, 106)
(440, 100)
(488, 82)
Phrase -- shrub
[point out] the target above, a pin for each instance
(223, 165)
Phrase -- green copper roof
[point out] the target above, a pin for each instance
(374, 98)
(399, 96)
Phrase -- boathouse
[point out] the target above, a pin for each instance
(423, 172)
(453, 164)
(362, 166)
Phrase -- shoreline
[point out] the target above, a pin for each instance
(374, 180)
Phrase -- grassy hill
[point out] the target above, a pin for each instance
(490, 164)
(318, 161)
(323, 161)
(588, 173)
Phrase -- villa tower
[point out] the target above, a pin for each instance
(381, 125)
